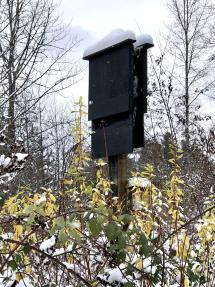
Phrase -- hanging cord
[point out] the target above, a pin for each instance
(105, 138)
(106, 147)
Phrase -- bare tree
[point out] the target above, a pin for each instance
(33, 56)
(191, 48)
(36, 61)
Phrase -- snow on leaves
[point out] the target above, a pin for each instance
(82, 237)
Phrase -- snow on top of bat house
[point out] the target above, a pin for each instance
(115, 37)
(143, 39)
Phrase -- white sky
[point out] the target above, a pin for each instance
(103, 16)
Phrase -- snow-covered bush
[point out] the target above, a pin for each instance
(82, 236)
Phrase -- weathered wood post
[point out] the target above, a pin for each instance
(118, 175)
(117, 101)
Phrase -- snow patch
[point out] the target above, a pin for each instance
(19, 139)
(112, 276)
(115, 37)
(6, 161)
(25, 282)
(47, 244)
(143, 40)
(20, 156)
(115, 275)
(41, 199)
(154, 234)
(137, 181)
(2, 158)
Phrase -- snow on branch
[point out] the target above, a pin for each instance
(13, 162)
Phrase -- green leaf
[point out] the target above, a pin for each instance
(63, 237)
(157, 260)
(18, 258)
(156, 277)
(72, 217)
(60, 222)
(111, 231)
(53, 230)
(95, 226)
(202, 280)
(130, 269)
(121, 241)
(128, 284)
(113, 248)
(12, 264)
(121, 255)
(144, 247)
(192, 277)
(29, 209)
(172, 253)
(26, 249)
(127, 218)
(74, 234)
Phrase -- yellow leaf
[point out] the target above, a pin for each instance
(140, 263)
(36, 197)
(68, 181)
(19, 276)
(52, 197)
(131, 249)
(98, 174)
(18, 230)
(186, 282)
(28, 269)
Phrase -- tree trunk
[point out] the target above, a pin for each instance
(11, 75)
(187, 108)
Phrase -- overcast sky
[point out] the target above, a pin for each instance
(102, 16)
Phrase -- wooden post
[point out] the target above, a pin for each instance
(118, 175)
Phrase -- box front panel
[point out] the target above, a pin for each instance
(111, 82)
(112, 137)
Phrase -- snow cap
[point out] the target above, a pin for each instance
(114, 38)
(144, 39)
